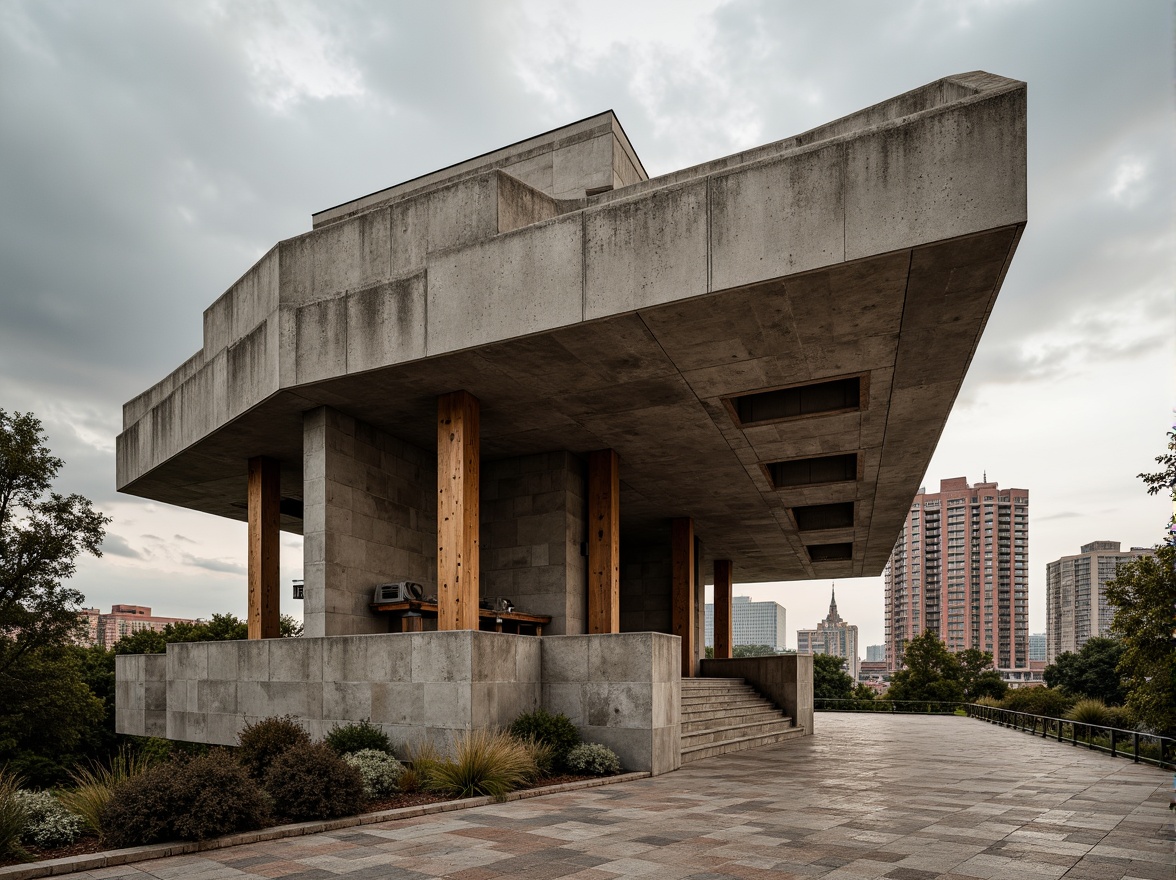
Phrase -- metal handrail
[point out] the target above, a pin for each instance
(1140, 746)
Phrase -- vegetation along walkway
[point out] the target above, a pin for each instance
(905, 797)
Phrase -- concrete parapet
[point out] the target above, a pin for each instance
(140, 694)
(785, 679)
(622, 690)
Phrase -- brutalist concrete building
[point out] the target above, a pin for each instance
(541, 376)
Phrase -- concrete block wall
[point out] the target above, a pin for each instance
(622, 690)
(369, 516)
(533, 521)
(411, 685)
(140, 694)
(645, 586)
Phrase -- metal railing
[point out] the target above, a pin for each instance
(1139, 746)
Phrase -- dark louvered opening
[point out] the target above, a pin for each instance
(824, 516)
(809, 471)
(830, 552)
(803, 400)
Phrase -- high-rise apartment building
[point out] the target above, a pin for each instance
(752, 623)
(832, 636)
(960, 569)
(875, 653)
(1036, 646)
(106, 629)
(1076, 605)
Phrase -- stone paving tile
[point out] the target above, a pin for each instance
(868, 797)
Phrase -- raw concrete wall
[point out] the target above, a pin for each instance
(646, 571)
(785, 679)
(623, 690)
(411, 685)
(369, 517)
(533, 522)
(140, 694)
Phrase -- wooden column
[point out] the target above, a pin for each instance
(723, 632)
(265, 496)
(458, 465)
(604, 545)
(682, 591)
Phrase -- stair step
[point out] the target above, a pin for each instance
(709, 720)
(751, 702)
(736, 731)
(707, 750)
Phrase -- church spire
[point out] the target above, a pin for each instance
(833, 604)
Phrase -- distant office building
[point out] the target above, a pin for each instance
(123, 620)
(752, 623)
(832, 636)
(960, 569)
(89, 621)
(875, 653)
(1036, 646)
(1076, 605)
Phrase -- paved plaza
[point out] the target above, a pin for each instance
(868, 796)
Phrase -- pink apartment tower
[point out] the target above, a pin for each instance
(960, 568)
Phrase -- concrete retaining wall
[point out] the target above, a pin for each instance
(140, 694)
(785, 679)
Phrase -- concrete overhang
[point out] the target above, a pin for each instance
(871, 250)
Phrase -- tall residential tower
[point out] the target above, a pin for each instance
(960, 568)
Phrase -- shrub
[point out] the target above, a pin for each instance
(1120, 717)
(380, 771)
(990, 701)
(187, 798)
(12, 814)
(593, 759)
(309, 781)
(93, 785)
(48, 824)
(481, 762)
(358, 737)
(1088, 712)
(262, 743)
(420, 757)
(556, 731)
(542, 756)
(1038, 701)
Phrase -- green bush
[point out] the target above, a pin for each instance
(556, 731)
(93, 785)
(187, 798)
(1051, 702)
(356, 737)
(481, 762)
(1120, 717)
(13, 814)
(1088, 712)
(380, 771)
(262, 743)
(309, 781)
(593, 759)
(48, 824)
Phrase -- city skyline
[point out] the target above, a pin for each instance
(165, 171)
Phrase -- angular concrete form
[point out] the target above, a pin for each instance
(768, 344)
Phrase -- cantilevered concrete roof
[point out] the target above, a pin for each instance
(870, 249)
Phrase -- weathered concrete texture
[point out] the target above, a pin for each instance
(533, 524)
(786, 680)
(871, 796)
(370, 517)
(874, 247)
(623, 690)
(645, 593)
(140, 694)
(411, 685)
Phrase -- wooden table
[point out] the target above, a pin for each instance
(490, 621)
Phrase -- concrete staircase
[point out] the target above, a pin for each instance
(721, 715)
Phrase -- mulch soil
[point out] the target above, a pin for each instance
(89, 843)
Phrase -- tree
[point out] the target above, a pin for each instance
(752, 651)
(219, 628)
(929, 672)
(830, 681)
(1091, 672)
(1165, 479)
(41, 535)
(978, 676)
(1144, 595)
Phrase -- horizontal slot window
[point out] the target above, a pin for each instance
(830, 552)
(803, 400)
(810, 471)
(824, 516)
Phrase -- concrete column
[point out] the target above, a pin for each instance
(265, 497)
(682, 588)
(458, 464)
(604, 545)
(723, 625)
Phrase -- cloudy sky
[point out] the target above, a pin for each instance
(151, 151)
